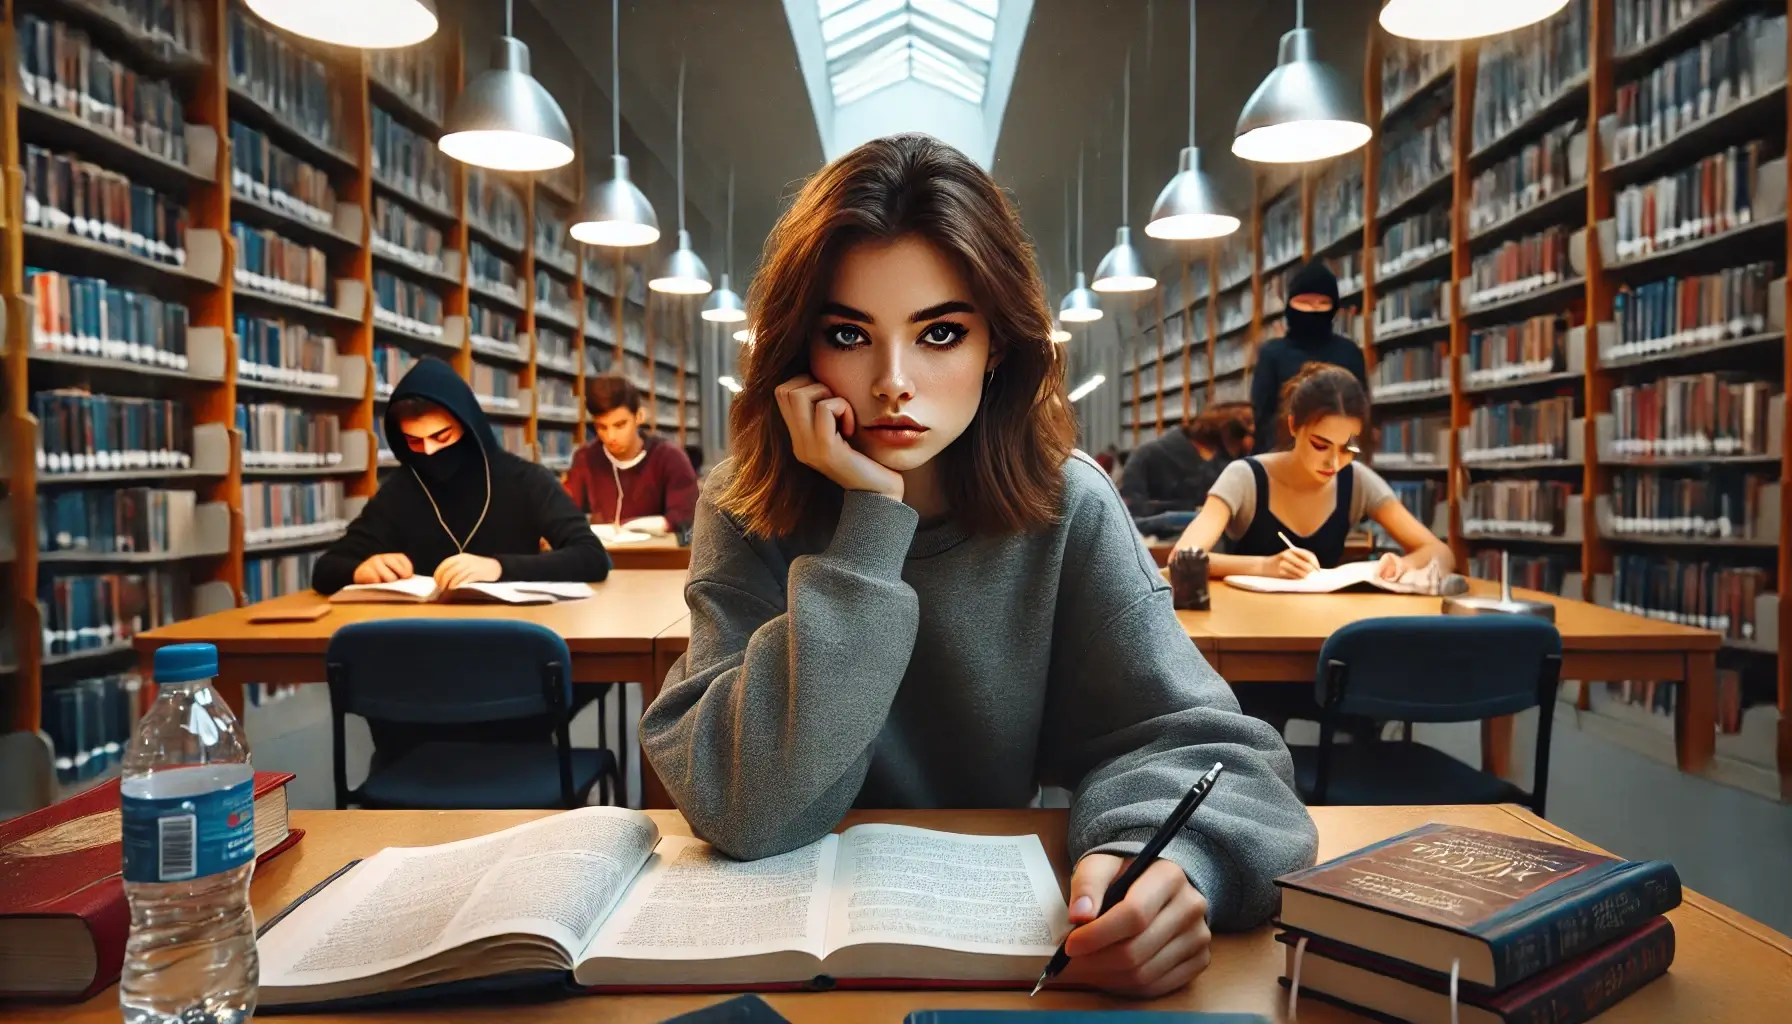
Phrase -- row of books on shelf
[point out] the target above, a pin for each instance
(279, 436)
(267, 261)
(1281, 230)
(90, 723)
(283, 78)
(1545, 168)
(401, 235)
(1701, 82)
(79, 432)
(266, 577)
(101, 611)
(390, 364)
(67, 194)
(496, 387)
(1502, 431)
(1421, 497)
(278, 352)
(122, 520)
(1707, 198)
(1408, 65)
(93, 317)
(1691, 592)
(1235, 260)
(1529, 508)
(62, 68)
(1413, 240)
(554, 298)
(1529, 348)
(1275, 300)
(1714, 504)
(1692, 415)
(556, 394)
(556, 446)
(551, 234)
(1414, 156)
(1410, 441)
(496, 208)
(493, 331)
(1518, 266)
(406, 305)
(1678, 313)
(555, 351)
(1519, 73)
(515, 440)
(293, 511)
(1230, 356)
(410, 163)
(173, 28)
(1413, 370)
(1338, 202)
(492, 272)
(263, 171)
(414, 73)
(1412, 305)
(1545, 572)
(1348, 269)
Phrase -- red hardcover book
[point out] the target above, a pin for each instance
(63, 916)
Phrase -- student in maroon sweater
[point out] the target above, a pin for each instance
(627, 475)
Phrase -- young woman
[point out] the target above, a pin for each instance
(1312, 492)
(907, 591)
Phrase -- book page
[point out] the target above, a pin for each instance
(608, 533)
(1323, 581)
(560, 591)
(980, 894)
(422, 588)
(555, 877)
(691, 902)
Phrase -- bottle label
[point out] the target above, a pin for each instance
(172, 839)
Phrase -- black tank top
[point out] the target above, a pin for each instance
(1326, 543)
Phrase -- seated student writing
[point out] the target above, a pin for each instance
(907, 590)
(1312, 491)
(460, 508)
(626, 476)
(1174, 472)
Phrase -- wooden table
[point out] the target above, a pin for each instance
(655, 553)
(1251, 637)
(1726, 966)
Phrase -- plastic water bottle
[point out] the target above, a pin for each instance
(189, 848)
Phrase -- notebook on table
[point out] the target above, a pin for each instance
(599, 897)
(1364, 576)
(423, 590)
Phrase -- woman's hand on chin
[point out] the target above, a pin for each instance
(819, 425)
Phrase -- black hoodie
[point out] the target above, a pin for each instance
(1309, 340)
(526, 502)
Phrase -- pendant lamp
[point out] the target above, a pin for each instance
(504, 119)
(1123, 268)
(744, 335)
(366, 24)
(1304, 110)
(1189, 207)
(683, 272)
(615, 212)
(724, 306)
(1080, 305)
(1463, 19)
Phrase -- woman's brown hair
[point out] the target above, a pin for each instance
(1221, 425)
(1319, 390)
(1005, 472)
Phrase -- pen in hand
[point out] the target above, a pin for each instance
(1140, 864)
(1297, 549)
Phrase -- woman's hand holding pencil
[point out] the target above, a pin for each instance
(1293, 564)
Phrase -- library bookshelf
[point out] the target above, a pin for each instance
(1568, 294)
(325, 245)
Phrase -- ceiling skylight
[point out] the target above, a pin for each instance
(874, 44)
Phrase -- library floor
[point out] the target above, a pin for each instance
(1730, 845)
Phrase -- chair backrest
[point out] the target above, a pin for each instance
(1437, 668)
(448, 671)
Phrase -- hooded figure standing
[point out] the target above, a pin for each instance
(460, 508)
(1312, 303)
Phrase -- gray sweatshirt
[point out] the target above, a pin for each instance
(893, 668)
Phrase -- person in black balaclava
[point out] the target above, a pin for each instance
(460, 508)
(1312, 302)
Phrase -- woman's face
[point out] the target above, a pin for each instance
(1326, 445)
(900, 338)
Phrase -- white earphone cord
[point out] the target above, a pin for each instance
(459, 545)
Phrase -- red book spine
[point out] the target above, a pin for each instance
(1584, 988)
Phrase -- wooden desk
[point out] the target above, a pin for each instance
(657, 553)
(1727, 968)
(1252, 637)
(610, 635)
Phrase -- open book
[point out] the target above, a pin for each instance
(423, 590)
(598, 892)
(632, 532)
(1430, 580)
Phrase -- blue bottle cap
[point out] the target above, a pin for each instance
(183, 663)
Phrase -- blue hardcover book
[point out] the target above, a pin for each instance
(1502, 907)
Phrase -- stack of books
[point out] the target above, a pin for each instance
(1446, 924)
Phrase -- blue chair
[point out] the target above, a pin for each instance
(476, 699)
(1428, 668)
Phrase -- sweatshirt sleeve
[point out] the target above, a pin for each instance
(681, 487)
(763, 732)
(1135, 714)
(577, 557)
(376, 531)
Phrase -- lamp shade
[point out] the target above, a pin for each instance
(744, 335)
(1463, 19)
(1188, 206)
(724, 306)
(1123, 269)
(1303, 110)
(616, 213)
(1080, 305)
(683, 272)
(367, 24)
(505, 120)
(1059, 335)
